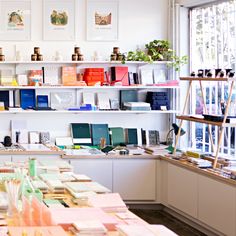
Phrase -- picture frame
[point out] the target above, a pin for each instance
(15, 21)
(59, 20)
(102, 20)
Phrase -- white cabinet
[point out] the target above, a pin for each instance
(183, 190)
(135, 179)
(217, 205)
(5, 158)
(99, 170)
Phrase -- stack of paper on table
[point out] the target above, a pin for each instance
(39, 184)
(62, 165)
(147, 230)
(63, 177)
(67, 216)
(111, 202)
(81, 178)
(82, 195)
(90, 227)
(32, 231)
(56, 186)
(86, 186)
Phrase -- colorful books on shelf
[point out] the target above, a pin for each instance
(81, 133)
(110, 202)
(69, 76)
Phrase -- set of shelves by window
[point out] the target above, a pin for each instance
(74, 100)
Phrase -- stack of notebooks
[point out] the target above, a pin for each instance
(158, 100)
(56, 186)
(41, 185)
(77, 187)
(137, 106)
(63, 166)
(89, 227)
(63, 177)
(111, 202)
(81, 178)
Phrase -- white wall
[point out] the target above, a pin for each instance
(139, 23)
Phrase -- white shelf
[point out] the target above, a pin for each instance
(85, 62)
(89, 112)
(87, 87)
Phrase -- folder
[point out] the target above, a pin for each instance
(81, 133)
(100, 131)
(117, 136)
(4, 97)
(27, 98)
(120, 74)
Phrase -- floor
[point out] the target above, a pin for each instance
(164, 218)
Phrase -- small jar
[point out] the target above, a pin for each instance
(40, 57)
(120, 57)
(34, 57)
(113, 57)
(116, 50)
(80, 57)
(74, 57)
(37, 50)
(2, 57)
(77, 50)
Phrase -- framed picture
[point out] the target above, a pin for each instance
(59, 20)
(15, 20)
(102, 20)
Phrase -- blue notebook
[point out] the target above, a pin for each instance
(27, 98)
(100, 131)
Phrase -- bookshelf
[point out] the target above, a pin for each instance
(199, 119)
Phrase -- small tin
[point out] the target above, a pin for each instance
(74, 57)
(116, 50)
(120, 57)
(77, 50)
(2, 57)
(80, 57)
(40, 57)
(113, 57)
(34, 57)
(37, 50)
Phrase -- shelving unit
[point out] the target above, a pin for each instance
(200, 119)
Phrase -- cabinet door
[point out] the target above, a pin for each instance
(5, 158)
(217, 205)
(182, 189)
(135, 179)
(99, 170)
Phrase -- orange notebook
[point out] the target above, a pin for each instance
(69, 75)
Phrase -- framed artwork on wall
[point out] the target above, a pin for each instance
(59, 20)
(15, 20)
(102, 20)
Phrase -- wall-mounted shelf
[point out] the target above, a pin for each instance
(207, 79)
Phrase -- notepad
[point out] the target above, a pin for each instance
(81, 133)
(100, 131)
(117, 136)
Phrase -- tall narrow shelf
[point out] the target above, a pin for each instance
(199, 119)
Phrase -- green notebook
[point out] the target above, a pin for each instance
(81, 133)
(128, 96)
(131, 136)
(117, 136)
(100, 131)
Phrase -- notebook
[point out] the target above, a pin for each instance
(131, 136)
(117, 136)
(100, 131)
(27, 98)
(81, 133)
(128, 96)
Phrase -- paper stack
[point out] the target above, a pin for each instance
(56, 186)
(91, 227)
(63, 166)
(81, 178)
(3, 201)
(111, 202)
(39, 184)
(61, 177)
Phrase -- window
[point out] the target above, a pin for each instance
(213, 45)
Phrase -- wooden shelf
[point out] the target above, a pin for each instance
(206, 79)
(89, 112)
(88, 87)
(201, 119)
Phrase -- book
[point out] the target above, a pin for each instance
(131, 136)
(62, 100)
(100, 131)
(19, 132)
(81, 133)
(160, 76)
(117, 136)
(51, 75)
(103, 101)
(4, 97)
(35, 77)
(42, 101)
(120, 74)
(69, 75)
(128, 96)
(88, 98)
(146, 76)
(27, 98)
(34, 137)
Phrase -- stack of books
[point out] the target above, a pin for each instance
(158, 100)
(137, 106)
(90, 227)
